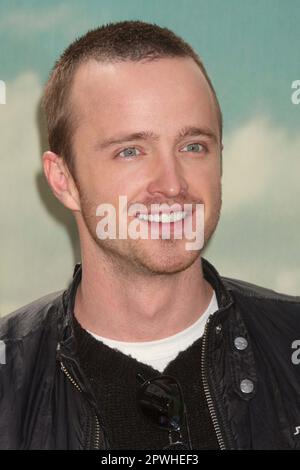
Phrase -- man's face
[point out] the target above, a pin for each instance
(161, 101)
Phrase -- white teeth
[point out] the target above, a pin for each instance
(164, 218)
(154, 218)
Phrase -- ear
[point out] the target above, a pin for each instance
(61, 181)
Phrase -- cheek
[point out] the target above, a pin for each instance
(99, 184)
(204, 182)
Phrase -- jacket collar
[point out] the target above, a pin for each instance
(66, 334)
(224, 297)
(67, 342)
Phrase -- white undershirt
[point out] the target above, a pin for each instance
(159, 353)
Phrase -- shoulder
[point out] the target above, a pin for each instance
(28, 339)
(248, 290)
(30, 318)
(265, 308)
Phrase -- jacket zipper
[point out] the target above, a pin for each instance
(66, 372)
(207, 393)
(96, 437)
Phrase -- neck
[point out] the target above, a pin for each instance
(136, 307)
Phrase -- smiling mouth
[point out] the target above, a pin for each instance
(162, 217)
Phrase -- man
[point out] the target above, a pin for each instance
(149, 348)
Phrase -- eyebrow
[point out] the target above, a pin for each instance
(188, 131)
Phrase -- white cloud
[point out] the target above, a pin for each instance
(35, 251)
(288, 280)
(261, 160)
(257, 239)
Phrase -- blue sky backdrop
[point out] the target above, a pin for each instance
(251, 51)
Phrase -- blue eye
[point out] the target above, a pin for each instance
(194, 148)
(129, 152)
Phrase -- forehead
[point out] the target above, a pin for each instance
(159, 93)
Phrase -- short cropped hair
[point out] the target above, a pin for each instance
(114, 42)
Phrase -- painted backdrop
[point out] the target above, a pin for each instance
(252, 53)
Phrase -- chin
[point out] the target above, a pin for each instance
(166, 260)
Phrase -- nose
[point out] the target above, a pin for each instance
(167, 178)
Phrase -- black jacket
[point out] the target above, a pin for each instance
(250, 368)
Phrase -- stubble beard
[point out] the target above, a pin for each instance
(147, 257)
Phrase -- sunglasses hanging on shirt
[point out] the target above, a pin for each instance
(161, 400)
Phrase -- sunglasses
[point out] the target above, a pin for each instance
(161, 400)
